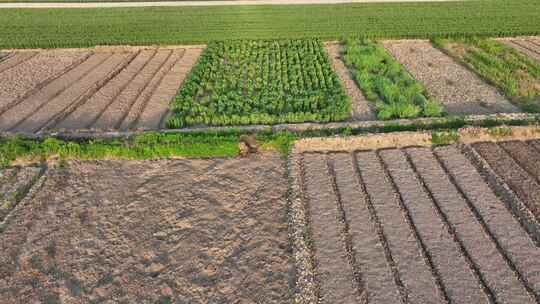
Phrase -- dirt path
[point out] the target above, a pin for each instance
(362, 109)
(421, 225)
(200, 3)
(172, 231)
(458, 89)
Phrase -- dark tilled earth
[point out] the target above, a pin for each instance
(171, 231)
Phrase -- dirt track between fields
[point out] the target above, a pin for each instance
(169, 231)
(100, 89)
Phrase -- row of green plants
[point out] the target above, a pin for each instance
(515, 74)
(261, 82)
(385, 82)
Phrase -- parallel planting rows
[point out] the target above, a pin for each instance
(261, 82)
(414, 225)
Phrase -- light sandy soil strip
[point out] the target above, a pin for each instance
(481, 249)
(458, 279)
(523, 46)
(415, 275)
(144, 99)
(84, 116)
(375, 272)
(199, 3)
(78, 93)
(31, 104)
(519, 247)
(458, 89)
(334, 273)
(154, 114)
(15, 60)
(22, 80)
(117, 111)
(362, 109)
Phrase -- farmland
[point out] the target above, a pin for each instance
(394, 91)
(261, 82)
(48, 28)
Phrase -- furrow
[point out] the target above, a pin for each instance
(334, 273)
(78, 92)
(415, 275)
(375, 271)
(458, 280)
(116, 112)
(141, 103)
(6, 55)
(525, 187)
(535, 144)
(479, 247)
(25, 81)
(526, 156)
(20, 181)
(158, 105)
(33, 103)
(533, 47)
(515, 244)
(16, 59)
(88, 112)
(90, 92)
(522, 48)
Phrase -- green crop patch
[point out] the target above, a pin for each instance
(516, 75)
(261, 82)
(385, 82)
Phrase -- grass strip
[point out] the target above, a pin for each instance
(51, 28)
(515, 74)
(385, 82)
(261, 82)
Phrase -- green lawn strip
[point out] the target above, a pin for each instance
(49, 28)
(515, 74)
(222, 144)
(385, 82)
(261, 82)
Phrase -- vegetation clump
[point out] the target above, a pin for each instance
(261, 82)
(383, 80)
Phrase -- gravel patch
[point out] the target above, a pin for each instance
(458, 89)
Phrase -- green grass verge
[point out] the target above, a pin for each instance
(385, 82)
(515, 74)
(48, 28)
(261, 82)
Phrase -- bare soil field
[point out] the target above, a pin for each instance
(170, 231)
(529, 46)
(104, 89)
(14, 184)
(457, 88)
(408, 225)
(362, 108)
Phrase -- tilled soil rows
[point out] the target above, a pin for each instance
(529, 46)
(411, 225)
(170, 231)
(457, 88)
(117, 89)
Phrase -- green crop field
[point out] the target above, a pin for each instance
(261, 82)
(383, 80)
(47, 28)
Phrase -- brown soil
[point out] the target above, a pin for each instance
(457, 88)
(526, 47)
(13, 183)
(176, 231)
(362, 109)
(525, 185)
(15, 60)
(107, 88)
(412, 225)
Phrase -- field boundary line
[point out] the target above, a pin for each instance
(44, 83)
(485, 227)
(407, 214)
(501, 189)
(450, 227)
(83, 98)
